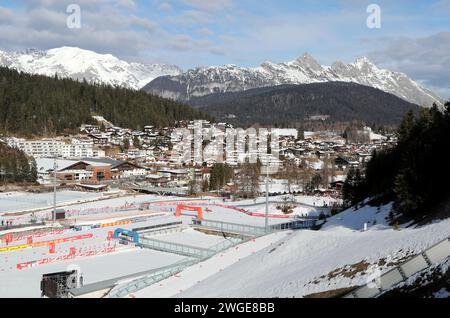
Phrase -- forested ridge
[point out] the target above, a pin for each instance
(293, 105)
(40, 105)
(415, 173)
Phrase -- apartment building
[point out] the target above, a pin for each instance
(47, 148)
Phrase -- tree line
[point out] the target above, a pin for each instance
(40, 105)
(414, 173)
(15, 166)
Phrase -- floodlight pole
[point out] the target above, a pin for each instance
(55, 166)
(266, 225)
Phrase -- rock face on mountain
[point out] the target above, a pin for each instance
(304, 70)
(294, 105)
(78, 64)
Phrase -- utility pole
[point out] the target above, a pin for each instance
(55, 167)
(267, 197)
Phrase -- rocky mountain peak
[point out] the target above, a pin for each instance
(302, 70)
(79, 64)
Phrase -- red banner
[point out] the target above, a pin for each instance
(102, 251)
(8, 238)
(64, 240)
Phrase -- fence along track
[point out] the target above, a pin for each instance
(199, 254)
(168, 271)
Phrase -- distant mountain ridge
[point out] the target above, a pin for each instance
(169, 80)
(303, 70)
(293, 105)
(79, 64)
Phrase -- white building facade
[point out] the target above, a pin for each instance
(48, 148)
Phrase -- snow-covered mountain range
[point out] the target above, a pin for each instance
(304, 70)
(170, 81)
(75, 63)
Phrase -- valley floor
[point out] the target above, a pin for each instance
(305, 262)
(290, 263)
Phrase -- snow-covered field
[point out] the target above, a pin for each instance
(124, 261)
(280, 186)
(305, 262)
(313, 201)
(26, 283)
(20, 201)
(194, 275)
(191, 237)
(283, 264)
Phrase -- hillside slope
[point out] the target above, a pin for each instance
(39, 105)
(294, 104)
(336, 257)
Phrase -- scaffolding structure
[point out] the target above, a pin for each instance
(57, 285)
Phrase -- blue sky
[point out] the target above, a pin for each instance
(414, 36)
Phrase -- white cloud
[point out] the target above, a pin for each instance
(6, 15)
(225, 31)
(184, 42)
(219, 50)
(45, 19)
(145, 23)
(424, 58)
(205, 32)
(190, 17)
(210, 5)
(106, 28)
(128, 4)
(441, 5)
(166, 7)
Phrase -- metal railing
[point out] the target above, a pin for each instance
(168, 271)
(157, 276)
(175, 248)
(199, 254)
(251, 230)
(294, 225)
(227, 227)
(318, 207)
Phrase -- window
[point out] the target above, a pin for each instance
(100, 176)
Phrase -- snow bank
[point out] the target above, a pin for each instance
(302, 262)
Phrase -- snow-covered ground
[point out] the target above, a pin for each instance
(351, 219)
(192, 276)
(304, 262)
(26, 283)
(216, 210)
(124, 261)
(284, 264)
(191, 237)
(312, 201)
(280, 186)
(21, 201)
(303, 205)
